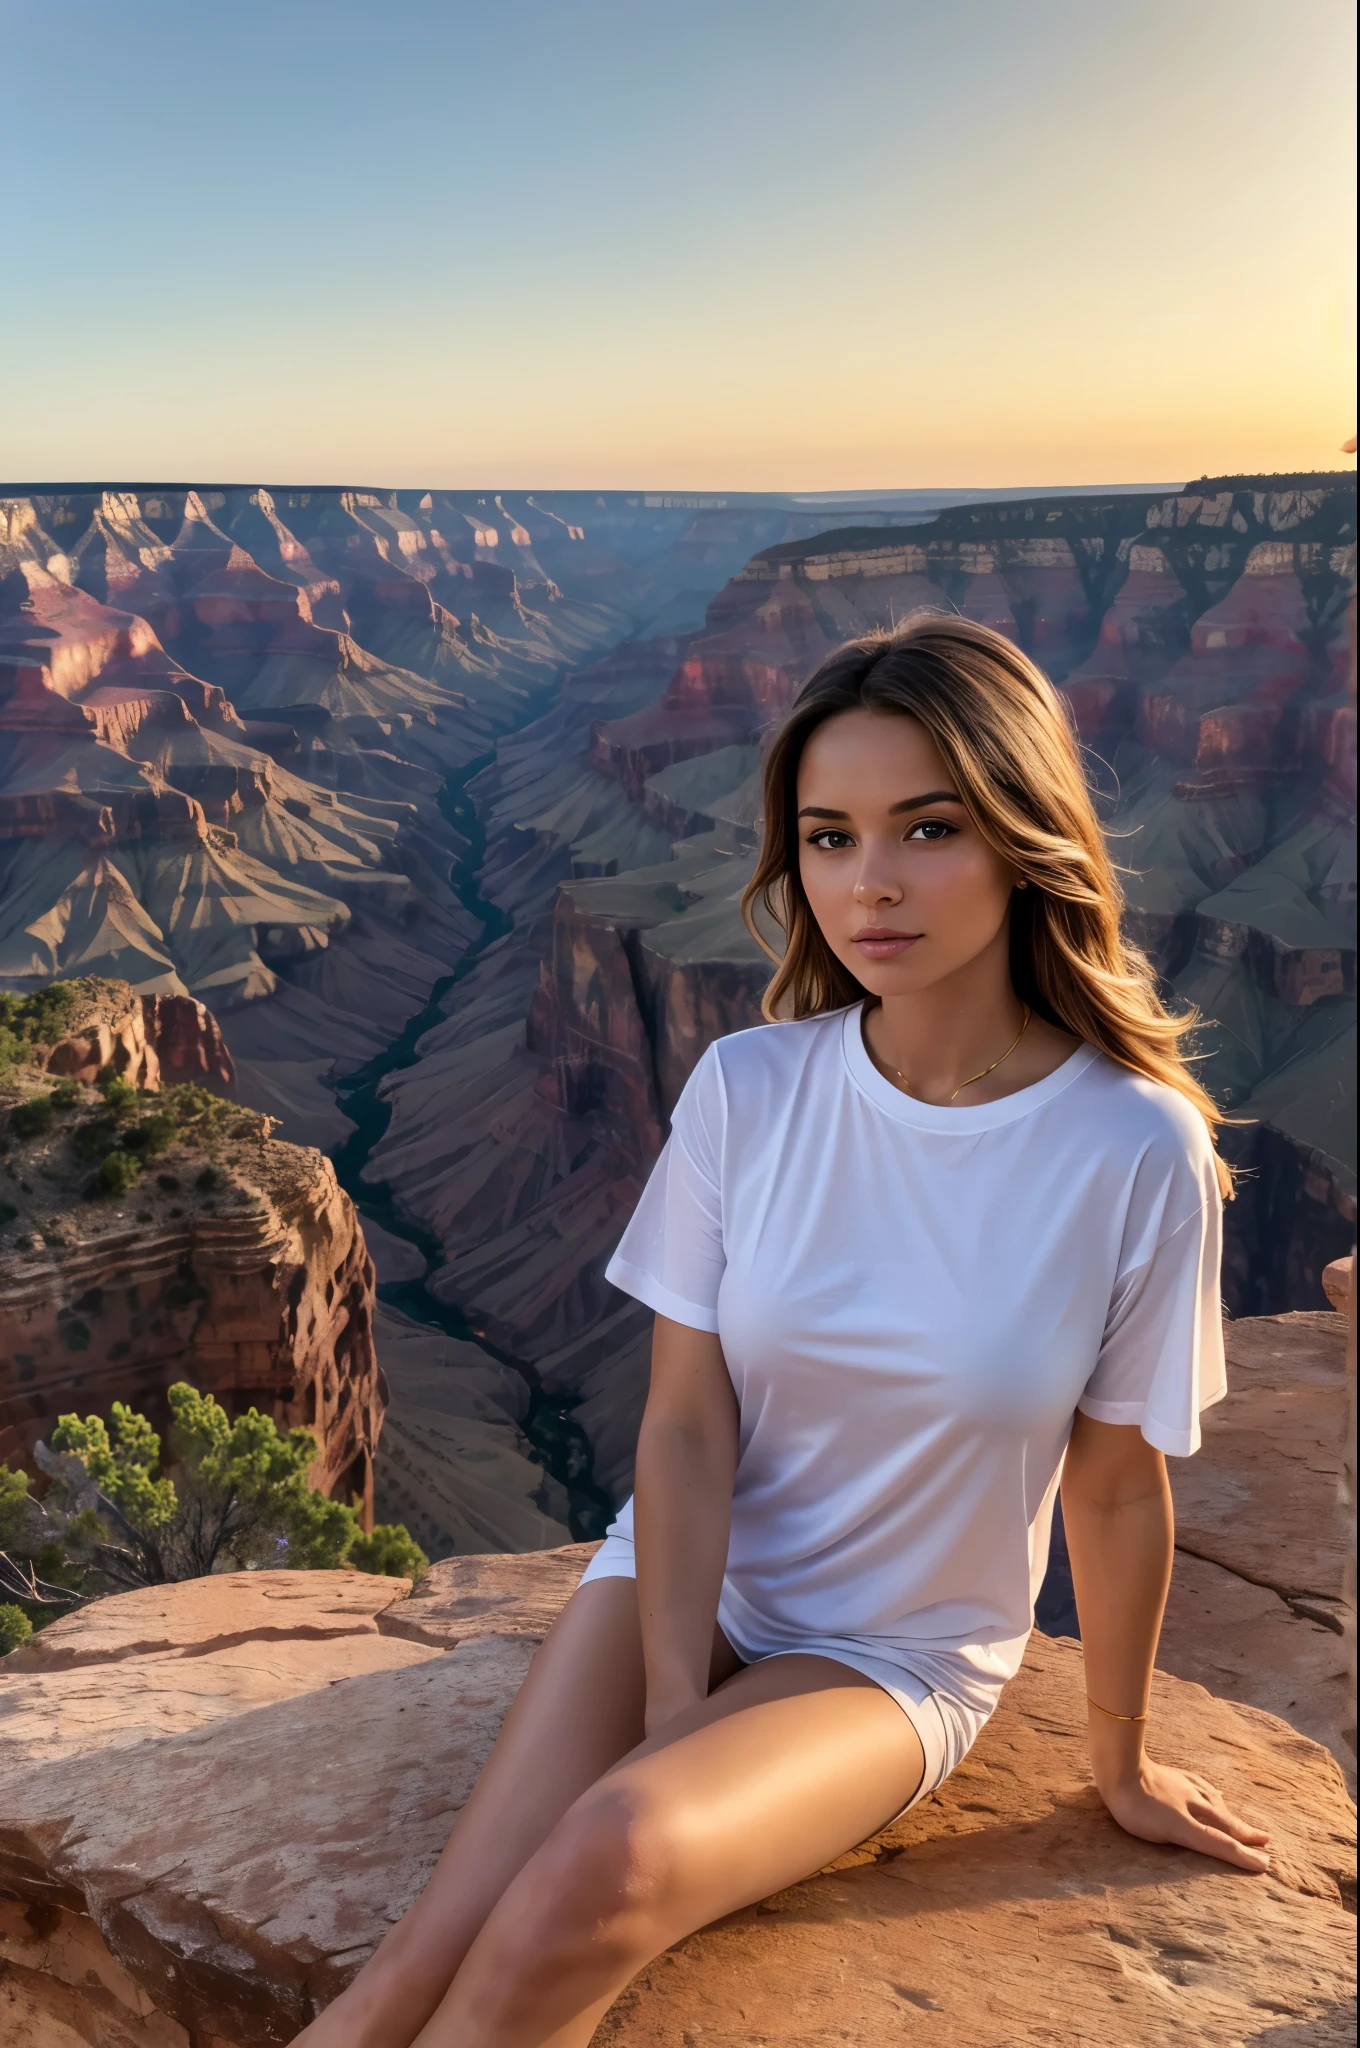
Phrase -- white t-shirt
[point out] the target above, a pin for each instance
(913, 1301)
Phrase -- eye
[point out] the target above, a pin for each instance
(935, 830)
(830, 839)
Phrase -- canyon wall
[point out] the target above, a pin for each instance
(318, 759)
(234, 728)
(1200, 643)
(229, 720)
(229, 1259)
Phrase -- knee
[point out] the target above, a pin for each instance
(601, 1885)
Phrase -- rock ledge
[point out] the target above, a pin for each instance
(215, 1797)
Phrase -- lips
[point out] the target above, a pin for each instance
(880, 942)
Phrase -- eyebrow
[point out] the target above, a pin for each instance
(908, 803)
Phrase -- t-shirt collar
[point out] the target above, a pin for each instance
(933, 1116)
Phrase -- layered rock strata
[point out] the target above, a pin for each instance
(229, 717)
(316, 1746)
(231, 1259)
(152, 1042)
(1257, 1610)
(520, 1148)
(456, 1466)
(269, 1307)
(1197, 637)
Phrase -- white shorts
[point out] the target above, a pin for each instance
(946, 1725)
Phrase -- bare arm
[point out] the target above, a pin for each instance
(1120, 1536)
(682, 1512)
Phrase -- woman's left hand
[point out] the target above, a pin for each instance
(1161, 1804)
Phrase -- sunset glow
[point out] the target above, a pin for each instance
(769, 245)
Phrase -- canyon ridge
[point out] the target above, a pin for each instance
(437, 808)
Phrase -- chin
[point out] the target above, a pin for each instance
(884, 978)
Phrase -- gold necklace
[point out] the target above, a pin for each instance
(986, 1070)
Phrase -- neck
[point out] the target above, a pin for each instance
(937, 1037)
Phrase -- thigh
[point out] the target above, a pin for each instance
(579, 1710)
(786, 1765)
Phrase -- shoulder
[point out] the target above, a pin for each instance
(1149, 1125)
(777, 1050)
(750, 1072)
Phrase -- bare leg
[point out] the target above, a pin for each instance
(578, 1711)
(783, 1767)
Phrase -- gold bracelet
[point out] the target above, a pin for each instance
(1113, 1717)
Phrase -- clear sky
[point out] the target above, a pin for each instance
(736, 244)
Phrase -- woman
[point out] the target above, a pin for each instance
(951, 1231)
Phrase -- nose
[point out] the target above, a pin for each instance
(876, 883)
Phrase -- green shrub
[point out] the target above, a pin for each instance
(26, 1021)
(42, 1018)
(13, 1496)
(32, 1119)
(121, 1457)
(154, 1135)
(15, 1627)
(66, 1094)
(120, 1095)
(40, 1547)
(204, 1118)
(391, 1552)
(118, 1172)
(45, 1016)
(94, 1136)
(239, 1491)
(317, 1532)
(208, 1180)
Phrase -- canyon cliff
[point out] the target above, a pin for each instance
(230, 721)
(444, 805)
(211, 1252)
(234, 731)
(1199, 641)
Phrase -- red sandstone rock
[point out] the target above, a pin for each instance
(233, 1875)
(211, 1617)
(237, 1264)
(1261, 1497)
(1138, 624)
(1244, 1642)
(271, 1308)
(467, 1597)
(1255, 1609)
(189, 1043)
(126, 1674)
(1266, 607)
(1337, 1281)
(61, 1988)
(152, 1041)
(71, 639)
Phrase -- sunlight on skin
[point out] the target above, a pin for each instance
(915, 902)
(875, 861)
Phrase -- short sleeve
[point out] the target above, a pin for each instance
(1161, 1358)
(671, 1255)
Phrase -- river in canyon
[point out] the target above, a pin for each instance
(555, 1440)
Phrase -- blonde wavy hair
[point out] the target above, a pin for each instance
(1002, 729)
